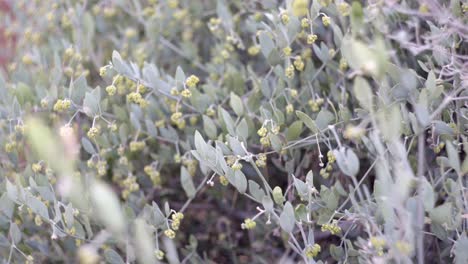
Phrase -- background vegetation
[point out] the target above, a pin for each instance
(233, 131)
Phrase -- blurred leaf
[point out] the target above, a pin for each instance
(294, 130)
(307, 121)
(347, 161)
(287, 218)
(107, 207)
(144, 243)
(88, 146)
(363, 93)
(454, 159)
(15, 233)
(236, 104)
(209, 127)
(187, 182)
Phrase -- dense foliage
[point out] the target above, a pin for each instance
(218, 131)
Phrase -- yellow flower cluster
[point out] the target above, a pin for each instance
(311, 38)
(439, 147)
(305, 22)
(111, 90)
(344, 9)
(353, 132)
(236, 166)
(289, 72)
(378, 243)
(136, 146)
(298, 63)
(154, 174)
(261, 160)
(287, 51)
(136, 98)
(130, 185)
(248, 224)
(253, 50)
(284, 18)
(192, 81)
(289, 109)
(326, 20)
(169, 233)
(343, 64)
(333, 228)
(176, 219)
(62, 105)
(223, 180)
(93, 132)
(101, 167)
(315, 104)
(159, 254)
(312, 251)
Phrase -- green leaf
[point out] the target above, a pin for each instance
(442, 214)
(256, 191)
(294, 130)
(15, 233)
(37, 206)
(324, 118)
(287, 218)
(107, 207)
(236, 104)
(242, 129)
(88, 146)
(240, 181)
(91, 105)
(460, 250)
(209, 127)
(363, 93)
(266, 43)
(454, 159)
(113, 257)
(187, 182)
(307, 121)
(228, 121)
(428, 195)
(347, 161)
(144, 243)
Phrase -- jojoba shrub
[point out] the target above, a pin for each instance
(216, 131)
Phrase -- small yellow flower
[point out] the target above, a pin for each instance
(236, 166)
(344, 8)
(249, 224)
(186, 93)
(111, 90)
(305, 23)
(169, 233)
(300, 7)
(298, 63)
(289, 109)
(312, 251)
(253, 50)
(287, 51)
(93, 132)
(262, 131)
(293, 93)
(290, 72)
(284, 18)
(159, 254)
(223, 180)
(326, 20)
(192, 81)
